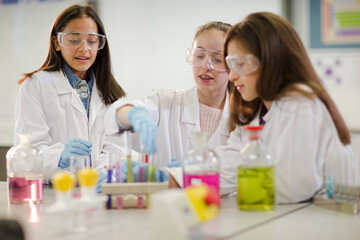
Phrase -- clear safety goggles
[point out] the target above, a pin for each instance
(242, 65)
(73, 40)
(199, 56)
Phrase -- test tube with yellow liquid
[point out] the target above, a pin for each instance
(255, 174)
(127, 146)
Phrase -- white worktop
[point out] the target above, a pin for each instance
(133, 223)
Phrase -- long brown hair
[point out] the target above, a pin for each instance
(109, 89)
(283, 64)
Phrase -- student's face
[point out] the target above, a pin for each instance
(245, 85)
(207, 79)
(80, 59)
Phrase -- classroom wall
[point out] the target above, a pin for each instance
(148, 39)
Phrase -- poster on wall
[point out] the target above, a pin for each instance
(335, 23)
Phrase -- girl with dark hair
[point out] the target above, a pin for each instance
(276, 85)
(61, 105)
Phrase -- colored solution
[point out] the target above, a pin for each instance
(212, 180)
(255, 188)
(151, 177)
(130, 176)
(26, 188)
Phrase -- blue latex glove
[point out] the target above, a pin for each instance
(74, 147)
(174, 163)
(102, 177)
(142, 122)
(160, 175)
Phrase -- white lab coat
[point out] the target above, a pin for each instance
(177, 113)
(51, 111)
(301, 135)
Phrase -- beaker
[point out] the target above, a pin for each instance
(79, 162)
(255, 186)
(200, 165)
(24, 170)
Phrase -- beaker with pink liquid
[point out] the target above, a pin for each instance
(24, 171)
(200, 165)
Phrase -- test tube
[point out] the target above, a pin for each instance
(130, 176)
(118, 180)
(141, 179)
(109, 176)
(151, 174)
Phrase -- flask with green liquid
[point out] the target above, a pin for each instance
(255, 183)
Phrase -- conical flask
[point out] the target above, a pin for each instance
(255, 186)
(24, 171)
(200, 166)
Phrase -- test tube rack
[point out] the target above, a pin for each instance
(131, 191)
(346, 199)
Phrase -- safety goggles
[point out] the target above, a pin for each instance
(73, 40)
(242, 65)
(199, 56)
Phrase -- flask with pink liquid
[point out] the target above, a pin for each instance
(24, 171)
(200, 166)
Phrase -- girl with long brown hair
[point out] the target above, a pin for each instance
(276, 85)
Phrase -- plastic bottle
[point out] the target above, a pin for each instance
(255, 186)
(24, 171)
(200, 166)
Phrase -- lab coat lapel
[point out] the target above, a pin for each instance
(95, 105)
(190, 118)
(63, 87)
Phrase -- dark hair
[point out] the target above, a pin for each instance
(108, 88)
(283, 64)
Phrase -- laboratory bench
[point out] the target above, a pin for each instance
(292, 221)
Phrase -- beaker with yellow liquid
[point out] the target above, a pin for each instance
(255, 174)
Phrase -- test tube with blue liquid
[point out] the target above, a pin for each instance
(342, 176)
(109, 167)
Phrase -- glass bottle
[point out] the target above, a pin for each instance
(255, 183)
(24, 171)
(200, 166)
